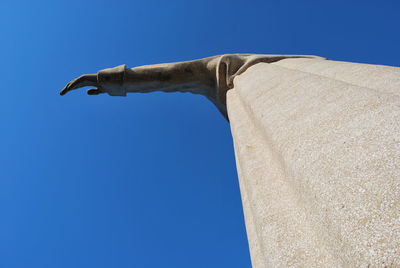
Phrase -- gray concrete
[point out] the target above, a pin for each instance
(317, 146)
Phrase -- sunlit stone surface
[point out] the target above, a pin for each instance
(317, 146)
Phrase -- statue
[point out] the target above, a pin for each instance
(317, 148)
(211, 77)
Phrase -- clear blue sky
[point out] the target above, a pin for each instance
(148, 180)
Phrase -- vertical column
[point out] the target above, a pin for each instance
(318, 157)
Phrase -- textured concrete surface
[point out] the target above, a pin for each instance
(317, 147)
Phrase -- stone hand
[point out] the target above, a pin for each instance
(83, 81)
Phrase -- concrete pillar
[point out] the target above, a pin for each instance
(317, 146)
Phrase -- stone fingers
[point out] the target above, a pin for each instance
(82, 81)
(94, 91)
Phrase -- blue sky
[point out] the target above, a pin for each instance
(148, 180)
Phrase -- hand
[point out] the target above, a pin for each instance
(83, 81)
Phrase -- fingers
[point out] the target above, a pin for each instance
(94, 91)
(65, 89)
(82, 81)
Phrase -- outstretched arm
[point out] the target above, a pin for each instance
(189, 76)
(211, 77)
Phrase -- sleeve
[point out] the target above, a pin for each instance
(111, 80)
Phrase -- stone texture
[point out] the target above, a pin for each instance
(317, 146)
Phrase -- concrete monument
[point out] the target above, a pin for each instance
(317, 145)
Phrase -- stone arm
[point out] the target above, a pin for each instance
(211, 77)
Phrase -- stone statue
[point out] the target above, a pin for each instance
(317, 147)
(211, 77)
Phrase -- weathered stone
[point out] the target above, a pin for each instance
(317, 146)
